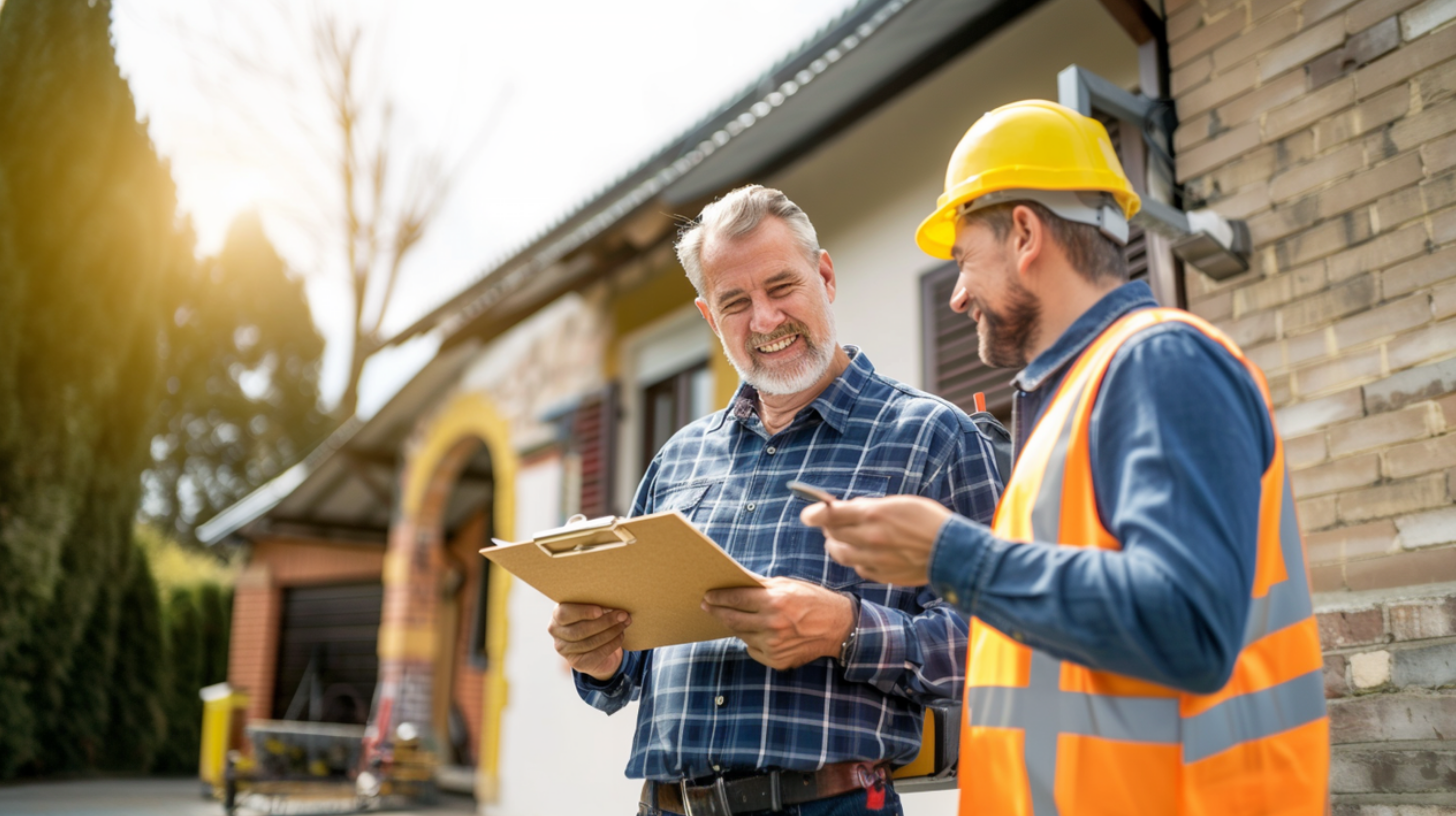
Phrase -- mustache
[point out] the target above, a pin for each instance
(755, 340)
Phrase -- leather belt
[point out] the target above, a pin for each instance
(770, 791)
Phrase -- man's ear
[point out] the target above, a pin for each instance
(707, 315)
(1028, 238)
(826, 273)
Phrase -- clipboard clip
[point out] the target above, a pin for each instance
(581, 535)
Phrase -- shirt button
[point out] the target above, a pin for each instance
(953, 597)
(772, 450)
(751, 507)
(1020, 638)
(716, 768)
(719, 701)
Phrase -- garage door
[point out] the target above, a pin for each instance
(327, 659)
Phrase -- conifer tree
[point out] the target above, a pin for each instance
(90, 259)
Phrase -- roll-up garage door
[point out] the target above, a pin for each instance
(336, 629)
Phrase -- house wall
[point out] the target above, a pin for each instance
(867, 190)
(274, 565)
(1331, 126)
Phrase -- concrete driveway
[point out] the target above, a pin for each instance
(146, 797)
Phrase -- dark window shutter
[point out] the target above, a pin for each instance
(953, 367)
(1136, 251)
(594, 437)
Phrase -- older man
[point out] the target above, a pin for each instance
(823, 687)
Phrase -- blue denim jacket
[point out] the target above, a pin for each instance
(1180, 438)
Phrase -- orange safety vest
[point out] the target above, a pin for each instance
(1045, 736)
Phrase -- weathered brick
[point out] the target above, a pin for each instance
(1326, 168)
(1268, 96)
(1309, 109)
(1265, 294)
(1316, 10)
(1303, 451)
(1394, 499)
(1262, 37)
(1206, 37)
(1190, 76)
(1430, 123)
(1391, 718)
(1341, 474)
(1419, 273)
(1334, 673)
(1296, 148)
(1215, 152)
(1327, 578)
(1338, 301)
(1243, 203)
(1310, 43)
(1439, 155)
(1316, 514)
(1196, 131)
(1417, 347)
(1284, 220)
(1439, 192)
(1399, 208)
(1378, 254)
(1426, 17)
(1392, 772)
(1280, 390)
(1378, 110)
(1427, 667)
(1294, 420)
(1357, 541)
(1415, 422)
(1406, 387)
(1217, 307)
(1422, 457)
(1219, 89)
(1384, 321)
(1436, 85)
(1254, 168)
(1422, 619)
(1183, 19)
(1369, 670)
(1405, 62)
(1348, 369)
(1370, 12)
(1429, 529)
(1405, 569)
(1315, 345)
(1327, 238)
(1443, 301)
(1369, 185)
(1341, 629)
(1252, 330)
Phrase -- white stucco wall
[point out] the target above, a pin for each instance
(558, 755)
(867, 190)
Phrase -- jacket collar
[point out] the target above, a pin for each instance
(1078, 336)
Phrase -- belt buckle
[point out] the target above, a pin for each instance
(718, 804)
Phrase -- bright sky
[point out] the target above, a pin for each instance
(563, 96)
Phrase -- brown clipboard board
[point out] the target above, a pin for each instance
(656, 567)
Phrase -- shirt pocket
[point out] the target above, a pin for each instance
(809, 561)
(686, 498)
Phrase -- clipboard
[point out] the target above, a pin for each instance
(655, 567)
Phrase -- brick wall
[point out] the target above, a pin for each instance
(1330, 125)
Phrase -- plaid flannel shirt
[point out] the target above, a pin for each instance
(709, 707)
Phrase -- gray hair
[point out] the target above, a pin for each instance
(737, 214)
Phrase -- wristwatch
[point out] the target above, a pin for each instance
(847, 647)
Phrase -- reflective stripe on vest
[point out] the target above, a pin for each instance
(1044, 736)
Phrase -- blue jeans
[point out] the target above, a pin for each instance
(854, 803)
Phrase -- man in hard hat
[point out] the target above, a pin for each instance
(1142, 637)
(824, 686)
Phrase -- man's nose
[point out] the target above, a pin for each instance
(766, 317)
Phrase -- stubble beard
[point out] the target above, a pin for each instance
(1006, 336)
(792, 376)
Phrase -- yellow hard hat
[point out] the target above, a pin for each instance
(1028, 147)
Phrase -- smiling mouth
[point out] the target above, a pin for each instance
(777, 345)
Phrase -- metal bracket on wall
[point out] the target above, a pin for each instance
(1219, 247)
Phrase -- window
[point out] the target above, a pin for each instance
(671, 403)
